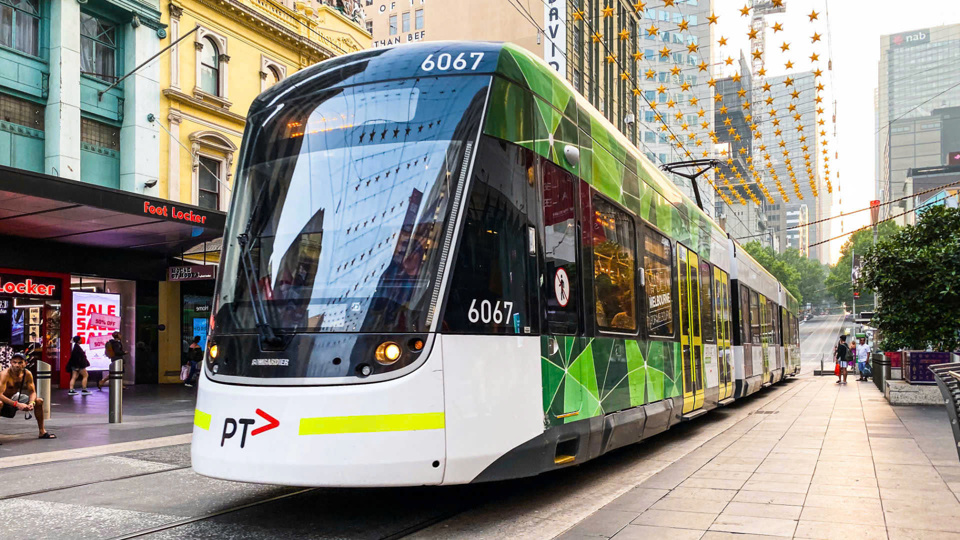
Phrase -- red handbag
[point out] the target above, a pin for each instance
(836, 369)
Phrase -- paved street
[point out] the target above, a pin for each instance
(805, 459)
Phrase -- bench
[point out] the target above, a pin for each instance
(948, 379)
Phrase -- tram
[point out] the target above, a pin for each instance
(443, 266)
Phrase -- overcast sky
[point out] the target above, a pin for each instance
(855, 27)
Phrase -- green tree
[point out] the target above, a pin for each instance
(775, 263)
(917, 273)
(838, 282)
(812, 276)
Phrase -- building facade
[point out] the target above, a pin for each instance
(797, 111)
(917, 77)
(235, 50)
(591, 44)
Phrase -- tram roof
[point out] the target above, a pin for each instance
(608, 162)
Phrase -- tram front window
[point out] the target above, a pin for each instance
(344, 197)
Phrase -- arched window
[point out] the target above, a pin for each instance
(210, 67)
(273, 76)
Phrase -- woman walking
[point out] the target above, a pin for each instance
(841, 356)
(78, 365)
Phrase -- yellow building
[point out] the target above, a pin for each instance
(237, 49)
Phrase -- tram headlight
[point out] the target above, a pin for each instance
(214, 351)
(387, 353)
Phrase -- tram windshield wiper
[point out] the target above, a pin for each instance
(268, 335)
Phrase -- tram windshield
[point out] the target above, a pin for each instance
(342, 201)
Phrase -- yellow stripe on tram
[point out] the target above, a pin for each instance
(201, 419)
(371, 424)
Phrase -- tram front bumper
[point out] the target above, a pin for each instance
(383, 434)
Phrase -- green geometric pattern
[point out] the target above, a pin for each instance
(532, 107)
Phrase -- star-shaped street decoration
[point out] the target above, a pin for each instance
(664, 52)
(671, 104)
(667, 3)
(611, 58)
(735, 77)
(745, 10)
(777, 27)
(757, 54)
(661, 89)
(741, 92)
(692, 48)
(694, 101)
(678, 116)
(675, 70)
(788, 65)
(813, 15)
(713, 18)
(718, 98)
(597, 37)
(766, 87)
(815, 38)
(650, 73)
(814, 57)
(607, 11)
(639, 55)
(624, 76)
(639, 6)
(752, 34)
(817, 72)
(723, 109)
(795, 94)
(788, 82)
(684, 25)
(578, 15)
(652, 31)
(722, 41)
(636, 91)
(624, 34)
(728, 61)
(685, 86)
(785, 47)
(702, 66)
(712, 83)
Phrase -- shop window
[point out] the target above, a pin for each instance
(209, 183)
(21, 112)
(614, 260)
(418, 24)
(99, 134)
(20, 25)
(98, 47)
(209, 67)
(393, 25)
(658, 284)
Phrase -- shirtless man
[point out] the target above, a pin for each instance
(12, 380)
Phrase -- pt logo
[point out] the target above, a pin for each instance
(230, 426)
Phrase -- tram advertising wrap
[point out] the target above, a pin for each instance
(95, 317)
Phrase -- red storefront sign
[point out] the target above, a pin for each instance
(19, 285)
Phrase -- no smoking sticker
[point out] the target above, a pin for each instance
(561, 287)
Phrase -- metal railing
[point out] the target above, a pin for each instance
(948, 379)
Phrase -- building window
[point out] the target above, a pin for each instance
(21, 112)
(20, 25)
(393, 25)
(418, 23)
(209, 67)
(209, 186)
(98, 48)
(614, 261)
(99, 134)
(370, 27)
(406, 22)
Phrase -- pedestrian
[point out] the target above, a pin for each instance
(841, 356)
(194, 357)
(77, 366)
(19, 393)
(114, 351)
(863, 355)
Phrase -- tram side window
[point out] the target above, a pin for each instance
(771, 333)
(561, 280)
(706, 303)
(755, 317)
(614, 260)
(493, 288)
(745, 315)
(658, 280)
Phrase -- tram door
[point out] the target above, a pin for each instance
(721, 287)
(691, 341)
(765, 344)
(561, 293)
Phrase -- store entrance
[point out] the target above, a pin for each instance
(29, 325)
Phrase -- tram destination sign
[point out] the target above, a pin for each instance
(191, 273)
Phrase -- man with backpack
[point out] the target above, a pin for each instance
(843, 362)
(114, 351)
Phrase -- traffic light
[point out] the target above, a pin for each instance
(856, 295)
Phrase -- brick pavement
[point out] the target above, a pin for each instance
(828, 462)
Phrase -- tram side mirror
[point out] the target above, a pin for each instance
(572, 153)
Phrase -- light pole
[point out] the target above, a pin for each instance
(874, 214)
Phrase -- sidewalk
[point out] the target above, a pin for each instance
(149, 411)
(829, 462)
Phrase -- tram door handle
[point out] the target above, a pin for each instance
(552, 346)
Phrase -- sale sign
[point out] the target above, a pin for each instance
(95, 317)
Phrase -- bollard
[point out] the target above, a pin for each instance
(43, 386)
(116, 391)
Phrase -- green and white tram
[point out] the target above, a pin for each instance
(443, 266)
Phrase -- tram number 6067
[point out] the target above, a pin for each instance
(446, 61)
(489, 312)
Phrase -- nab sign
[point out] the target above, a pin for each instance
(907, 39)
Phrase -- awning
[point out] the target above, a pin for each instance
(49, 208)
